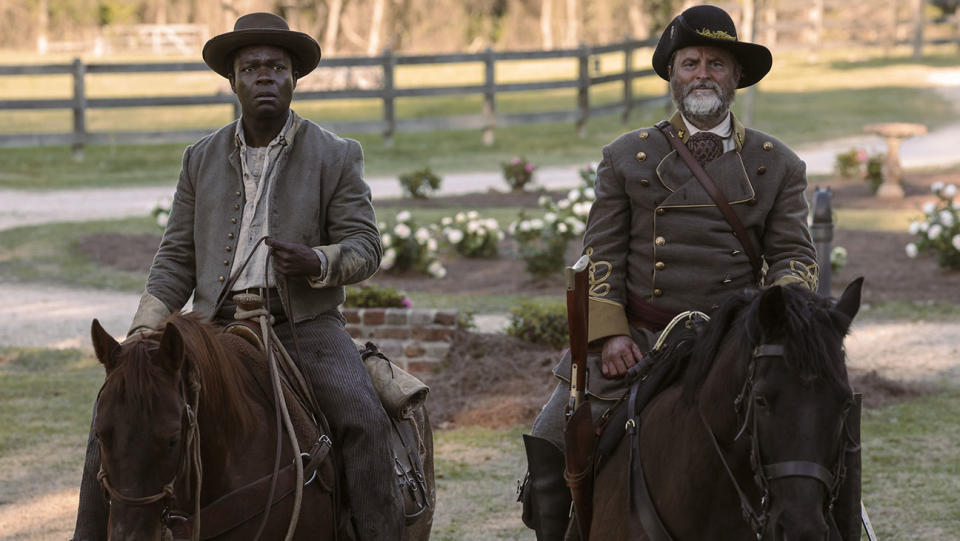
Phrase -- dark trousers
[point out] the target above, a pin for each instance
(360, 426)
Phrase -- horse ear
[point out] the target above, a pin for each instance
(104, 345)
(171, 353)
(771, 305)
(849, 303)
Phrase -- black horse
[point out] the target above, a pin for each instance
(747, 441)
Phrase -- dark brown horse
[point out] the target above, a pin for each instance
(190, 404)
(748, 440)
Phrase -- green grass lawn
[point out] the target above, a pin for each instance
(911, 463)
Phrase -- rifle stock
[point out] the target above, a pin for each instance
(577, 306)
(579, 431)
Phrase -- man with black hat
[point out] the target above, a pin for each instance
(275, 173)
(660, 242)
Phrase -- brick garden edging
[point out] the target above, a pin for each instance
(417, 339)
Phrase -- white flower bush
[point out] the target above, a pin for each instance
(407, 246)
(161, 210)
(939, 232)
(543, 241)
(471, 235)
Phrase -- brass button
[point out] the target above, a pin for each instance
(233, 220)
(641, 156)
(660, 265)
(229, 235)
(226, 262)
(660, 241)
(762, 169)
(229, 248)
(661, 211)
(238, 194)
(236, 207)
(220, 278)
(644, 135)
(657, 292)
(767, 145)
(644, 182)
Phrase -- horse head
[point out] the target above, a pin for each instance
(143, 424)
(792, 407)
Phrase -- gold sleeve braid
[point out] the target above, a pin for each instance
(808, 275)
(606, 317)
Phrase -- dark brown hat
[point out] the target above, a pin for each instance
(261, 29)
(711, 26)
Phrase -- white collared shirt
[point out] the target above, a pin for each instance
(258, 165)
(724, 129)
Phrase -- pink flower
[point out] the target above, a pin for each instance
(528, 168)
(515, 161)
(406, 302)
(861, 155)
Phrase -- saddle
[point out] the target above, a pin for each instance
(401, 395)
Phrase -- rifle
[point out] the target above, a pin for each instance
(579, 431)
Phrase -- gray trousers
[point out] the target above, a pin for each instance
(360, 426)
(603, 392)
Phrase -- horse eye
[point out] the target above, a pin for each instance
(761, 401)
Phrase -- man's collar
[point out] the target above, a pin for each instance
(286, 134)
(724, 129)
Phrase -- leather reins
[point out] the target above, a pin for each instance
(764, 473)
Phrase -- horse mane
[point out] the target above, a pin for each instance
(223, 379)
(807, 329)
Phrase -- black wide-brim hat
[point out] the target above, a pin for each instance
(711, 26)
(261, 29)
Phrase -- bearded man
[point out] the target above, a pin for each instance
(660, 244)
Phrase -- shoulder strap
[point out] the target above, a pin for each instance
(711, 188)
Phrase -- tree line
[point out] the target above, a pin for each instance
(346, 27)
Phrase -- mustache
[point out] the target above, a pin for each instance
(695, 85)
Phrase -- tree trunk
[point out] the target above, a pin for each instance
(376, 26)
(43, 23)
(333, 27)
(573, 24)
(639, 23)
(546, 22)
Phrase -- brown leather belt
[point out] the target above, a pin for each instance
(643, 315)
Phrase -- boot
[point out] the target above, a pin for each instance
(546, 498)
(93, 510)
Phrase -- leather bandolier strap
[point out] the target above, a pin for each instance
(715, 194)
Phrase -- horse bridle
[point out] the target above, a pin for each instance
(764, 473)
(189, 455)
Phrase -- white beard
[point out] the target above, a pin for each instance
(703, 105)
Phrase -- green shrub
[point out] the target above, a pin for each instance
(874, 171)
(518, 172)
(849, 164)
(420, 184)
(374, 296)
(540, 323)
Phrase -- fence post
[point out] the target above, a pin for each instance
(489, 97)
(79, 108)
(627, 79)
(583, 90)
(822, 232)
(389, 93)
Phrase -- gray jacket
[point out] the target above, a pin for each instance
(319, 199)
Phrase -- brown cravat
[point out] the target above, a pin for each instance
(705, 147)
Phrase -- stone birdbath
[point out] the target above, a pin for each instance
(894, 133)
